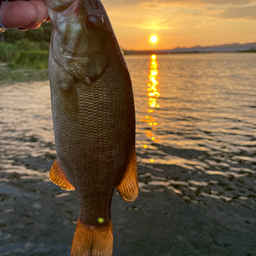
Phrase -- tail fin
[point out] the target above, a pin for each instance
(92, 241)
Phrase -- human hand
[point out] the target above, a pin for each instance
(23, 14)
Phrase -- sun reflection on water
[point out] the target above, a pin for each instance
(153, 85)
(153, 93)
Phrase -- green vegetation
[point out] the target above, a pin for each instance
(42, 34)
(26, 45)
(31, 60)
(8, 52)
(24, 54)
(14, 42)
(8, 75)
(251, 50)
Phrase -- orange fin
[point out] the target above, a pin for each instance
(128, 187)
(58, 177)
(92, 241)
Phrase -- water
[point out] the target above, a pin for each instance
(196, 138)
(196, 125)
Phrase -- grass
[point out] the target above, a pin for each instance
(8, 75)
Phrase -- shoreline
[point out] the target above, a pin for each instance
(136, 53)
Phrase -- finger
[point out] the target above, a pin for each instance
(18, 14)
(42, 15)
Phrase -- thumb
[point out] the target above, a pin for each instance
(17, 14)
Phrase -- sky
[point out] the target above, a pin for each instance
(181, 23)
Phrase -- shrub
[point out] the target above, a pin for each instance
(43, 33)
(8, 52)
(26, 45)
(44, 46)
(31, 59)
(13, 35)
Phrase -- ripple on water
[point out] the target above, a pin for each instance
(201, 130)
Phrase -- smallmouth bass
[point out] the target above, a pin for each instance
(93, 119)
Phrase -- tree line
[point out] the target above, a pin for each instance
(42, 34)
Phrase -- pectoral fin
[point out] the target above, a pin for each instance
(58, 177)
(128, 187)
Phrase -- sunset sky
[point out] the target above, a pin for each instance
(182, 23)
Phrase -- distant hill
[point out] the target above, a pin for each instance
(200, 49)
(217, 48)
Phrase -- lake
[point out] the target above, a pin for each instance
(196, 114)
(196, 148)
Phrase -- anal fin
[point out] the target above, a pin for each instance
(92, 241)
(58, 177)
(128, 187)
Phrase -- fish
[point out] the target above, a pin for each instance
(93, 116)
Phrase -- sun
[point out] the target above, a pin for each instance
(153, 39)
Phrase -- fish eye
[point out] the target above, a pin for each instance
(92, 22)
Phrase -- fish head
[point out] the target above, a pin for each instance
(82, 37)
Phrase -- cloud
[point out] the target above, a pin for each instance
(218, 9)
(160, 3)
(245, 13)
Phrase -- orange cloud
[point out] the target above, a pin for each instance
(159, 3)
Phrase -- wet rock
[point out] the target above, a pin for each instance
(36, 205)
(4, 236)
